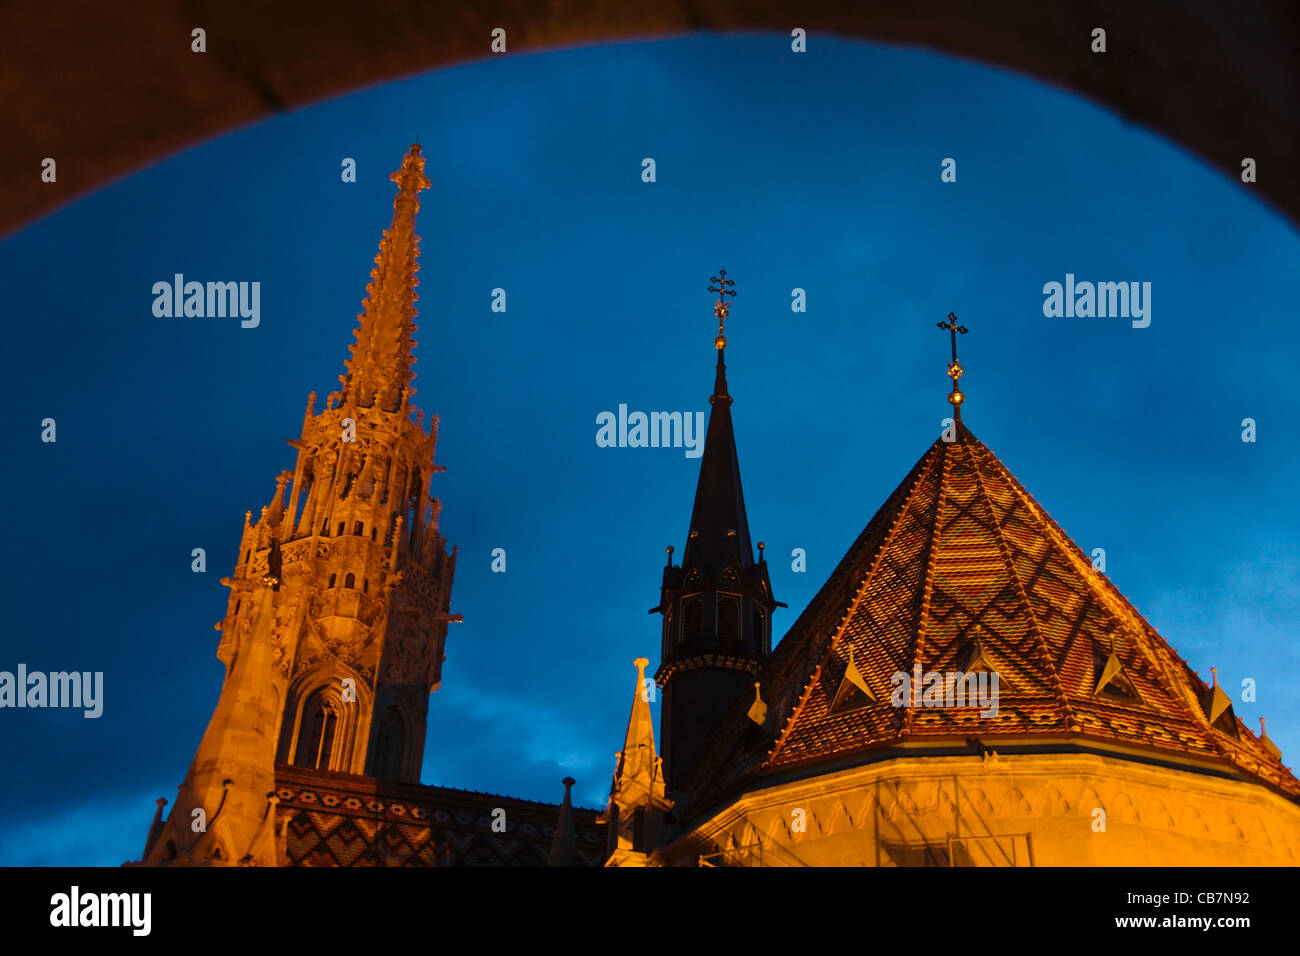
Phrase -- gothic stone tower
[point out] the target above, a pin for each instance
(334, 631)
(717, 606)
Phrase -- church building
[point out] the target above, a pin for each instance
(966, 689)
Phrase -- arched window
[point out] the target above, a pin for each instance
(390, 744)
(691, 620)
(316, 733)
(342, 525)
(332, 577)
(374, 534)
(350, 581)
(365, 585)
(325, 528)
(728, 621)
(359, 528)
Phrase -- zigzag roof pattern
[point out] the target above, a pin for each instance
(962, 566)
(337, 819)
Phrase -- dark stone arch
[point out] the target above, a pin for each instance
(1224, 82)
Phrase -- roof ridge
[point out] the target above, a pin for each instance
(1117, 606)
(1071, 721)
(1178, 673)
(847, 616)
(920, 633)
(376, 782)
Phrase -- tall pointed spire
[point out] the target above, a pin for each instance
(719, 532)
(345, 579)
(379, 372)
(717, 606)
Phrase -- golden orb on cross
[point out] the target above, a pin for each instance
(721, 308)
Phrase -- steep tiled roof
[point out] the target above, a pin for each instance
(962, 566)
(339, 819)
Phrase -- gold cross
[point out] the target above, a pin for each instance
(721, 308)
(954, 367)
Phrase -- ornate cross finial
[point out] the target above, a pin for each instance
(954, 367)
(410, 178)
(721, 308)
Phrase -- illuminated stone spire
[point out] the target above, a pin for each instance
(339, 604)
(379, 372)
(637, 802)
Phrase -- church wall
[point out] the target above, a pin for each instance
(1040, 810)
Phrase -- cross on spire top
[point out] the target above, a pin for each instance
(721, 308)
(955, 397)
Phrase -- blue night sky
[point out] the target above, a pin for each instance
(819, 171)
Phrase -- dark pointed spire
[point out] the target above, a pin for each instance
(379, 372)
(156, 827)
(717, 606)
(562, 847)
(719, 531)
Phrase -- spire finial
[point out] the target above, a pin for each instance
(722, 308)
(380, 366)
(955, 397)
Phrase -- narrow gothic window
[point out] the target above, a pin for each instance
(365, 585)
(728, 621)
(342, 525)
(332, 577)
(358, 528)
(316, 734)
(759, 644)
(304, 494)
(374, 534)
(691, 620)
(323, 754)
(325, 528)
(350, 581)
